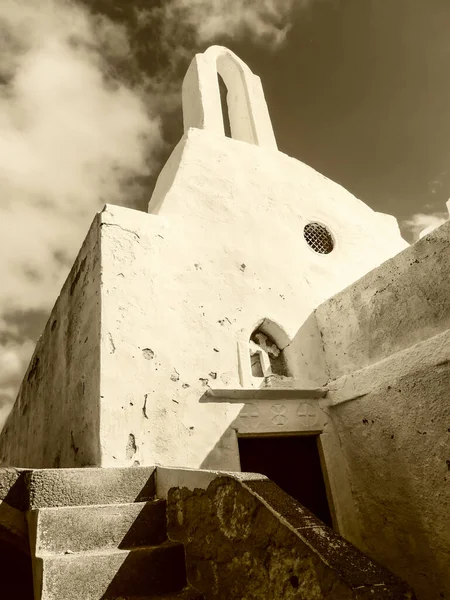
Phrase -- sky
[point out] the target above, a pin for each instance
(90, 110)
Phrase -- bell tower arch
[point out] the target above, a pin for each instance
(248, 113)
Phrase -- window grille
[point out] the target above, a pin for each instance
(318, 238)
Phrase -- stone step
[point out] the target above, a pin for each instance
(77, 487)
(113, 574)
(82, 528)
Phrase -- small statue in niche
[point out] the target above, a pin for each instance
(266, 357)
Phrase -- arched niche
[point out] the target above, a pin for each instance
(247, 108)
(266, 357)
(262, 353)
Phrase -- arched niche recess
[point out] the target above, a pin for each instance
(262, 353)
(249, 117)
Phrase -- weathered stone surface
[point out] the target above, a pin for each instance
(238, 547)
(113, 574)
(82, 528)
(13, 503)
(13, 487)
(14, 527)
(77, 487)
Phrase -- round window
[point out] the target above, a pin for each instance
(318, 238)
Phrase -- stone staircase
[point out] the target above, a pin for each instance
(114, 551)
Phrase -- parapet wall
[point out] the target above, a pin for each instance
(55, 419)
(386, 342)
(396, 305)
(248, 539)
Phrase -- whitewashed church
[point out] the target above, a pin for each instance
(261, 352)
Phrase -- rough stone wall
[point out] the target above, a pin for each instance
(392, 416)
(55, 419)
(402, 302)
(253, 541)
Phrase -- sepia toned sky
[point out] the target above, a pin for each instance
(90, 110)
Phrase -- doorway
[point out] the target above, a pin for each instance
(293, 463)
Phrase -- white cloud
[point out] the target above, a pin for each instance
(184, 26)
(13, 357)
(188, 26)
(70, 140)
(420, 221)
(263, 21)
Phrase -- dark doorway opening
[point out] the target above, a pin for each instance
(293, 463)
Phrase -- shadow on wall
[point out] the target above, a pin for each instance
(273, 352)
(300, 358)
(305, 352)
(152, 566)
(225, 454)
(395, 448)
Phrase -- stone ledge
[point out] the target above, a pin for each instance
(432, 353)
(192, 479)
(241, 395)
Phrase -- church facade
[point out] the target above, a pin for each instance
(259, 318)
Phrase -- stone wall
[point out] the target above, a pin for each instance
(251, 540)
(387, 346)
(396, 442)
(402, 302)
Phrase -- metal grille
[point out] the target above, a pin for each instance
(319, 238)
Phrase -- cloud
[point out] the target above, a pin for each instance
(185, 27)
(11, 359)
(420, 221)
(71, 139)
(188, 26)
(263, 21)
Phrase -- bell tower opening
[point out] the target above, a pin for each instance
(223, 90)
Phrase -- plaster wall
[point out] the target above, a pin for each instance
(396, 442)
(387, 346)
(181, 287)
(55, 419)
(399, 304)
